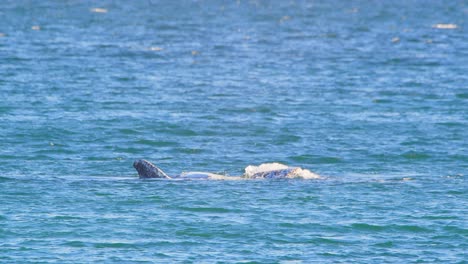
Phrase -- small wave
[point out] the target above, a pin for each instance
(387, 244)
(5, 179)
(316, 159)
(114, 245)
(156, 143)
(75, 243)
(379, 228)
(367, 227)
(415, 155)
(205, 209)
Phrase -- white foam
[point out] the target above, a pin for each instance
(298, 173)
(251, 169)
(445, 26)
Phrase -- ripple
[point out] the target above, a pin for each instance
(387, 244)
(75, 244)
(416, 156)
(195, 233)
(205, 209)
(114, 245)
(155, 143)
(316, 159)
(368, 227)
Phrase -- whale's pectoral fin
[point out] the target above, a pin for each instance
(147, 169)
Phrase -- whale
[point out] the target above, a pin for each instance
(147, 170)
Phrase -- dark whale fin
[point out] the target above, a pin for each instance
(147, 169)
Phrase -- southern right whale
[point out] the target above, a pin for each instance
(147, 169)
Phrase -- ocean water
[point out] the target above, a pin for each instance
(371, 95)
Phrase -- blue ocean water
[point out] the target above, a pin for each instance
(372, 95)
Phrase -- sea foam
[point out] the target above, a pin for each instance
(251, 170)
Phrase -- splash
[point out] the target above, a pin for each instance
(251, 171)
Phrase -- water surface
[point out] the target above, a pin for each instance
(372, 96)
